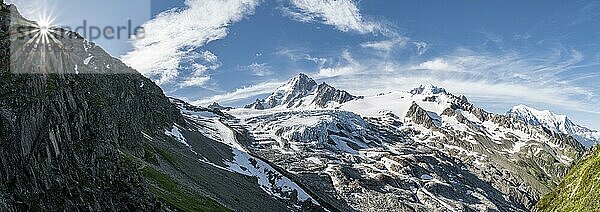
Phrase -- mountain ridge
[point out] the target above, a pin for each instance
(302, 91)
(557, 123)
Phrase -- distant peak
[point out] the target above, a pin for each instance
(301, 77)
(427, 89)
(524, 109)
(555, 122)
(521, 106)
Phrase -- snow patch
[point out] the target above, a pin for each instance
(176, 133)
(87, 60)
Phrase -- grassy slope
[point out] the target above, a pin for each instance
(168, 190)
(579, 190)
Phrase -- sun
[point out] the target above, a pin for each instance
(44, 32)
(44, 25)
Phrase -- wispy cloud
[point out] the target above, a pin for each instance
(296, 55)
(258, 69)
(437, 64)
(174, 37)
(505, 78)
(244, 93)
(347, 66)
(386, 45)
(344, 15)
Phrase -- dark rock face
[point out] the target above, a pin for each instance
(326, 94)
(65, 138)
(217, 106)
(420, 116)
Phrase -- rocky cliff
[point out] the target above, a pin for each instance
(81, 131)
(65, 136)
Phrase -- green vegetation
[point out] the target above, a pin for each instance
(149, 155)
(579, 190)
(171, 192)
(167, 189)
(167, 156)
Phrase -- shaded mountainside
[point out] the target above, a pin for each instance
(79, 130)
(579, 190)
(62, 135)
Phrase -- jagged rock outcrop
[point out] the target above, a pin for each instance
(420, 116)
(217, 106)
(303, 92)
(326, 94)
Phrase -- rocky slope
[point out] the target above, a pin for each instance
(64, 135)
(556, 123)
(425, 149)
(79, 130)
(579, 190)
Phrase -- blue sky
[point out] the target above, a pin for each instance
(498, 53)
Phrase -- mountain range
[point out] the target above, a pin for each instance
(441, 148)
(86, 132)
(557, 123)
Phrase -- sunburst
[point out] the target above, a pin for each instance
(44, 32)
(40, 42)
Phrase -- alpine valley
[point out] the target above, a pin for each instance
(71, 140)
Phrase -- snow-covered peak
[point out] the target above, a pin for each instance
(427, 90)
(299, 84)
(540, 117)
(297, 87)
(303, 92)
(555, 122)
(429, 97)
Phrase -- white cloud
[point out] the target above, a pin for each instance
(386, 45)
(342, 14)
(297, 55)
(259, 69)
(174, 36)
(194, 81)
(199, 64)
(421, 46)
(348, 66)
(437, 64)
(241, 93)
